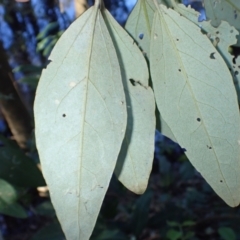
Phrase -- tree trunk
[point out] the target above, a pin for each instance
(12, 107)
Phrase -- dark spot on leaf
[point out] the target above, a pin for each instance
(235, 14)
(199, 119)
(236, 73)
(141, 36)
(221, 180)
(212, 55)
(231, 31)
(133, 82)
(64, 115)
(217, 32)
(177, 39)
(179, 70)
(209, 147)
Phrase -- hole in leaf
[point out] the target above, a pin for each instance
(64, 115)
(199, 119)
(141, 36)
(212, 55)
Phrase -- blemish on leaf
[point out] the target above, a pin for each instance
(155, 36)
(179, 70)
(236, 73)
(212, 55)
(64, 115)
(209, 147)
(199, 119)
(141, 36)
(221, 181)
(177, 39)
(57, 101)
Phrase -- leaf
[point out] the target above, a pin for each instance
(227, 233)
(227, 10)
(197, 99)
(16, 167)
(80, 118)
(173, 234)
(222, 38)
(140, 214)
(136, 156)
(8, 201)
(110, 235)
(139, 23)
(52, 231)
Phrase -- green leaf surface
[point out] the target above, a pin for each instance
(173, 234)
(52, 231)
(80, 118)
(8, 201)
(136, 156)
(140, 213)
(223, 10)
(16, 167)
(197, 99)
(227, 233)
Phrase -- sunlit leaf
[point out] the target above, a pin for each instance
(80, 117)
(197, 99)
(136, 156)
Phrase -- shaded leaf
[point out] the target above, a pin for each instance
(173, 234)
(80, 116)
(52, 231)
(197, 99)
(140, 213)
(136, 156)
(8, 201)
(16, 167)
(227, 233)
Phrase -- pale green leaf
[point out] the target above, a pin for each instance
(139, 23)
(196, 97)
(227, 10)
(136, 156)
(80, 117)
(222, 38)
(8, 201)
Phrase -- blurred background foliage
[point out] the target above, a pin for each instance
(178, 203)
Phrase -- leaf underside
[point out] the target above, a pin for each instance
(136, 156)
(198, 102)
(80, 118)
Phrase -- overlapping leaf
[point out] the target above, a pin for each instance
(196, 97)
(135, 159)
(80, 116)
(227, 10)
